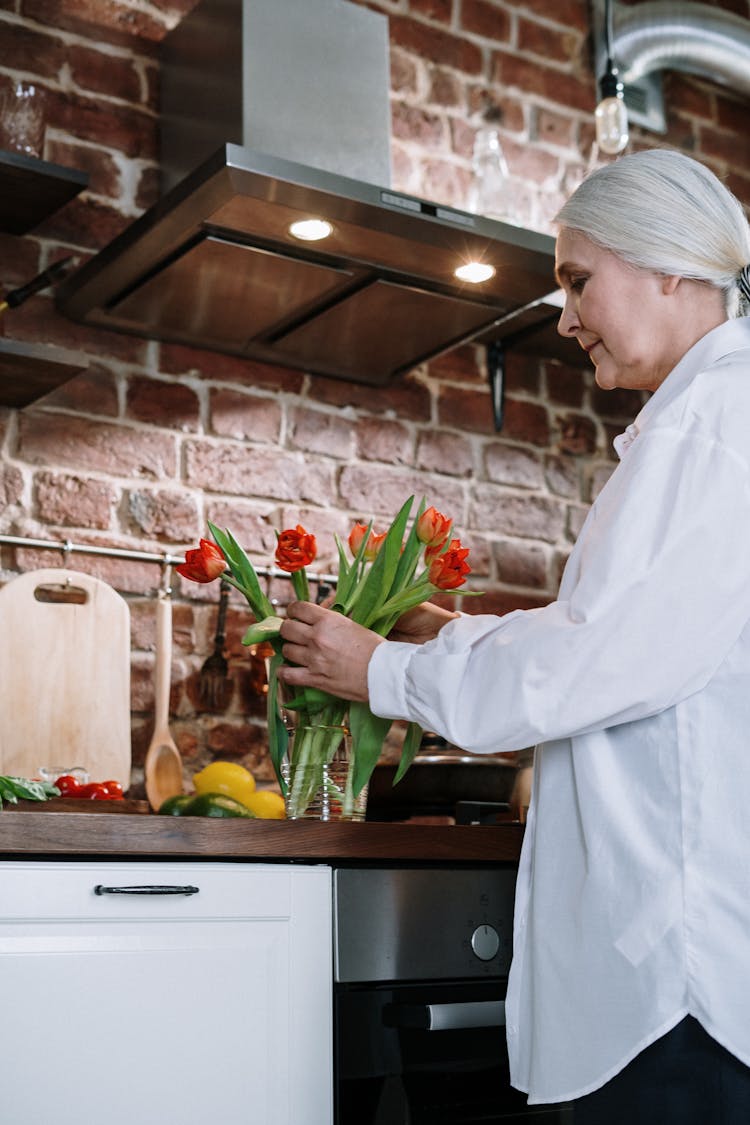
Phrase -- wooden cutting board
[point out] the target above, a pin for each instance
(64, 676)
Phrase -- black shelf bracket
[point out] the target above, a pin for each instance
(496, 378)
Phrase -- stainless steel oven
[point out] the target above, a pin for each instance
(421, 958)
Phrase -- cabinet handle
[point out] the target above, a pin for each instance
(446, 1017)
(153, 889)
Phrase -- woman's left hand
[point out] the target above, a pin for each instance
(329, 651)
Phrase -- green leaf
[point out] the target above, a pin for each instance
(368, 735)
(264, 630)
(410, 556)
(412, 742)
(246, 580)
(278, 735)
(300, 585)
(13, 788)
(377, 585)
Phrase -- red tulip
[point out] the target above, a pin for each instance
(433, 528)
(203, 563)
(449, 570)
(295, 549)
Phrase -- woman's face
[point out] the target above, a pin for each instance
(616, 312)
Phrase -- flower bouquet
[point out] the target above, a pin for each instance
(380, 578)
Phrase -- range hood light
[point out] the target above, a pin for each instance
(475, 272)
(311, 230)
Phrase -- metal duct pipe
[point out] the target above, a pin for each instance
(695, 38)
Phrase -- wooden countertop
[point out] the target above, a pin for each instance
(73, 834)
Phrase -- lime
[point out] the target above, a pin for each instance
(225, 777)
(215, 804)
(173, 806)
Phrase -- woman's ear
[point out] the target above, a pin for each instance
(669, 284)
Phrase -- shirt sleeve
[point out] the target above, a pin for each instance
(655, 594)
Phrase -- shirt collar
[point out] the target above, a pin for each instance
(711, 348)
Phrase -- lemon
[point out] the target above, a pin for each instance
(225, 777)
(266, 804)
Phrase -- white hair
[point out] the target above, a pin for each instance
(663, 211)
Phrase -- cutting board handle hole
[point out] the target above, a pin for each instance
(62, 593)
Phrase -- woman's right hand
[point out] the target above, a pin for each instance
(421, 624)
(520, 795)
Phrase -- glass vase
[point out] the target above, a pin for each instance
(318, 772)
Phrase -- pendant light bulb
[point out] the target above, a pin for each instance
(611, 114)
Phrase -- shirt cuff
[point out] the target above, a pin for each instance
(386, 679)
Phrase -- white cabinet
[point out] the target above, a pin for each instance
(165, 1008)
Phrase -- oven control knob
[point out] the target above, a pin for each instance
(485, 942)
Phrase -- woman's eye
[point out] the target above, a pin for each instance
(577, 284)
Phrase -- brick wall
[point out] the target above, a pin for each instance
(154, 440)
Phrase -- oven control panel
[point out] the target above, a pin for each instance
(417, 923)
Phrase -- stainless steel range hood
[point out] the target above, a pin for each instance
(214, 264)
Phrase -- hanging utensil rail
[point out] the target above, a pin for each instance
(164, 559)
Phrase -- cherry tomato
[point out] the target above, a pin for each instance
(68, 785)
(94, 791)
(114, 790)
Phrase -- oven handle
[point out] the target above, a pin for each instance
(446, 1017)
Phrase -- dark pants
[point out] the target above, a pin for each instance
(685, 1078)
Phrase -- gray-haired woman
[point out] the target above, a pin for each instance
(630, 986)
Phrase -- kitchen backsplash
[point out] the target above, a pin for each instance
(153, 439)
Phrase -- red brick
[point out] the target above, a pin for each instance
(162, 404)
(617, 403)
(366, 490)
(30, 50)
(578, 434)
(127, 576)
(563, 476)
(252, 525)
(114, 22)
(178, 360)
(73, 501)
(682, 95)
(11, 486)
(237, 470)
(462, 137)
(94, 391)
(317, 431)
(540, 39)
(522, 372)
(103, 172)
(406, 398)
(440, 10)
(599, 475)
(37, 320)
(445, 182)
(739, 185)
(506, 464)
(164, 514)
(734, 148)
(245, 416)
(465, 409)
(101, 73)
(529, 162)
(484, 18)
(555, 128)
(124, 128)
(521, 564)
(83, 444)
(508, 111)
(524, 517)
(441, 452)
(531, 77)
(404, 73)
(433, 43)
(525, 421)
(149, 188)
(403, 170)
(381, 440)
(445, 88)
(501, 602)
(85, 222)
(461, 365)
(575, 518)
(565, 385)
(567, 13)
(732, 114)
(413, 124)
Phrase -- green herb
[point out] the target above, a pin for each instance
(13, 788)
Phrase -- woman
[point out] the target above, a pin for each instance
(630, 986)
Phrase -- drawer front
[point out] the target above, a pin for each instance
(42, 891)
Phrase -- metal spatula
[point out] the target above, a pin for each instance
(212, 678)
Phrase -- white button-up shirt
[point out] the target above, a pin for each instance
(633, 897)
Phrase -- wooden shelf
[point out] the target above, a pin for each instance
(31, 190)
(29, 371)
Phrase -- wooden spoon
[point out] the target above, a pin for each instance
(163, 765)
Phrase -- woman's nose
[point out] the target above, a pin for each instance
(568, 323)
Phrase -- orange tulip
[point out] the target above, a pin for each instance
(433, 528)
(374, 542)
(204, 563)
(295, 549)
(449, 570)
